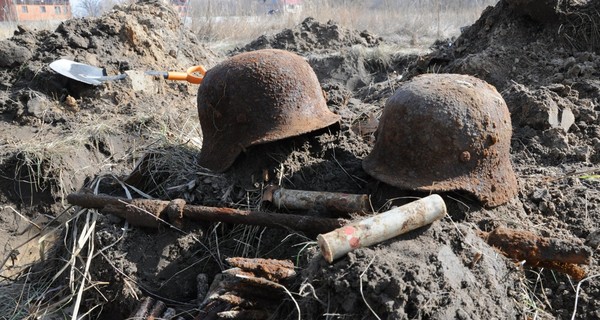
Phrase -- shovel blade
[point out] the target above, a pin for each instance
(82, 72)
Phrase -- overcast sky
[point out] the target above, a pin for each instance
(74, 6)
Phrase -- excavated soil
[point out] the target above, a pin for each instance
(140, 137)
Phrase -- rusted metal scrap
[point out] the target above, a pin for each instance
(303, 200)
(270, 269)
(150, 309)
(556, 254)
(149, 213)
(248, 291)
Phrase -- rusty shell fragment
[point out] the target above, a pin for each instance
(381, 227)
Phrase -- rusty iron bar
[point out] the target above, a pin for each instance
(157, 310)
(244, 314)
(148, 213)
(246, 291)
(270, 269)
(150, 309)
(524, 245)
(572, 269)
(304, 200)
(552, 253)
(143, 309)
(381, 227)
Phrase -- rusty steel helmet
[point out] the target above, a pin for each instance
(254, 98)
(443, 132)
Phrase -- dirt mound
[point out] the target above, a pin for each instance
(311, 36)
(543, 55)
(338, 55)
(138, 37)
(430, 274)
(37, 102)
(508, 45)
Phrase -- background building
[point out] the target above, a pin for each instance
(34, 10)
(283, 6)
(291, 6)
(181, 6)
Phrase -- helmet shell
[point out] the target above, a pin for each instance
(254, 98)
(442, 132)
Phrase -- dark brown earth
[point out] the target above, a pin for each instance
(58, 136)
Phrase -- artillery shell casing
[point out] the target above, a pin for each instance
(334, 201)
(381, 227)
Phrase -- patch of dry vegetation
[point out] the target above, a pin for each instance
(417, 21)
(228, 22)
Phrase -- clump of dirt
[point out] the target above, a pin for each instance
(311, 36)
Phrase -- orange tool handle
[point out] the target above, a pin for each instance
(189, 75)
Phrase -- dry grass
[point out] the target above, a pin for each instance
(57, 291)
(54, 288)
(415, 22)
(229, 23)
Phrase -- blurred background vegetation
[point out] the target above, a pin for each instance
(232, 22)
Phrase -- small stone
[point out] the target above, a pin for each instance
(71, 104)
(77, 41)
(574, 71)
(541, 194)
(569, 62)
(12, 55)
(583, 153)
(556, 138)
(38, 106)
(596, 143)
(593, 240)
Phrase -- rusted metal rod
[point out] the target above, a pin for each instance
(381, 227)
(157, 310)
(150, 309)
(143, 309)
(148, 213)
(244, 314)
(556, 254)
(303, 200)
(524, 245)
(270, 269)
(248, 290)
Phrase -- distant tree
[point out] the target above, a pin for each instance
(94, 8)
(90, 8)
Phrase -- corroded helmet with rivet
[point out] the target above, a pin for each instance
(254, 98)
(442, 132)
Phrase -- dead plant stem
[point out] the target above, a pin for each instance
(361, 288)
(577, 293)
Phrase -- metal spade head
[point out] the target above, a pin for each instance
(83, 72)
